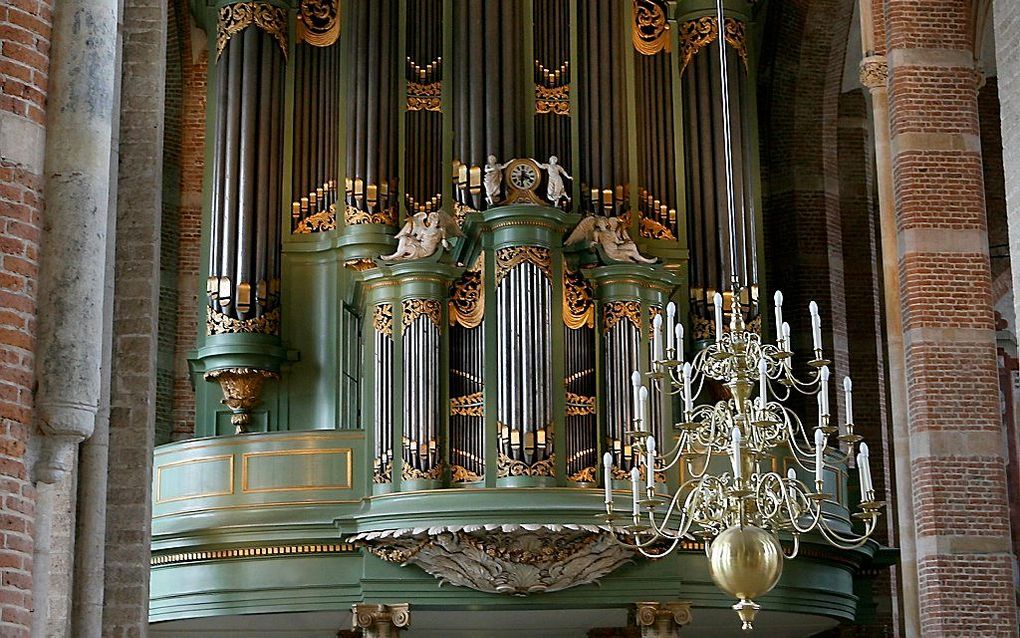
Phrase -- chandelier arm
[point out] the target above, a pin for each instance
(844, 542)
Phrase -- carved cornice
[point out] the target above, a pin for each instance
(318, 22)
(235, 18)
(649, 28)
(874, 71)
(698, 34)
(272, 551)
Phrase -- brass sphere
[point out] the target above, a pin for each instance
(745, 562)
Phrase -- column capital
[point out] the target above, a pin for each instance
(874, 71)
(381, 621)
(662, 620)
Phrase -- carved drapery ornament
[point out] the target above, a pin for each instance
(506, 466)
(874, 71)
(318, 22)
(242, 392)
(467, 300)
(552, 100)
(382, 318)
(380, 621)
(217, 323)
(504, 559)
(695, 35)
(615, 311)
(662, 620)
(235, 18)
(578, 306)
(414, 308)
(649, 30)
(509, 258)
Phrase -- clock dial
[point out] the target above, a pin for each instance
(523, 176)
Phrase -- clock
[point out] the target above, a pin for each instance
(523, 177)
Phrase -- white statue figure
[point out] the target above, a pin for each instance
(611, 234)
(493, 180)
(422, 235)
(555, 189)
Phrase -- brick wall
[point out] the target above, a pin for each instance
(964, 560)
(24, 62)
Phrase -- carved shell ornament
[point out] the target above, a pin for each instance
(504, 559)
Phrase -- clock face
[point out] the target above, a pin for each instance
(523, 176)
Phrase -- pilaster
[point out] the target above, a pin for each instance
(662, 620)
(381, 621)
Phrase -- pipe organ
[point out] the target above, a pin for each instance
(468, 141)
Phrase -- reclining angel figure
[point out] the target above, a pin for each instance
(609, 233)
(422, 235)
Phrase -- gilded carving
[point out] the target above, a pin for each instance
(354, 216)
(578, 306)
(217, 323)
(467, 405)
(509, 258)
(652, 229)
(318, 22)
(649, 30)
(461, 211)
(504, 559)
(552, 100)
(242, 391)
(317, 223)
(424, 96)
(578, 405)
(704, 328)
(698, 34)
(584, 475)
(615, 311)
(382, 318)
(382, 473)
(250, 552)
(360, 264)
(414, 308)
(467, 300)
(506, 466)
(409, 473)
(234, 18)
(460, 474)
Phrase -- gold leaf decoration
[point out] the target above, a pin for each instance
(467, 300)
(552, 100)
(578, 405)
(318, 22)
(698, 34)
(506, 466)
(354, 216)
(414, 308)
(217, 323)
(509, 258)
(317, 223)
(615, 311)
(468, 405)
(382, 318)
(382, 473)
(578, 306)
(235, 18)
(409, 473)
(424, 97)
(584, 475)
(649, 30)
(654, 230)
(460, 474)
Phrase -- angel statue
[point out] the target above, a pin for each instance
(493, 180)
(422, 236)
(555, 189)
(610, 233)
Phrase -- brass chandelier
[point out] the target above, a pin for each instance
(738, 509)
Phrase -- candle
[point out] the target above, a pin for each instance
(738, 467)
(778, 298)
(816, 326)
(650, 464)
(791, 476)
(787, 344)
(635, 382)
(643, 400)
(864, 467)
(635, 476)
(848, 391)
(607, 464)
(819, 455)
(823, 390)
(763, 381)
(718, 316)
(657, 338)
(688, 398)
(670, 327)
(679, 342)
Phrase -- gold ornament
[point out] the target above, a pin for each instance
(578, 405)
(615, 311)
(242, 391)
(318, 22)
(552, 100)
(414, 308)
(467, 405)
(654, 230)
(698, 34)
(382, 318)
(460, 474)
(217, 323)
(467, 300)
(584, 475)
(745, 562)
(424, 97)
(235, 18)
(509, 258)
(578, 306)
(354, 216)
(506, 466)
(409, 473)
(317, 223)
(649, 30)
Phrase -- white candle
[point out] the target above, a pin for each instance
(819, 455)
(643, 399)
(787, 344)
(848, 392)
(778, 299)
(738, 467)
(763, 381)
(823, 390)
(816, 326)
(650, 464)
(718, 316)
(688, 398)
(679, 342)
(657, 338)
(607, 464)
(635, 383)
(635, 487)
(791, 475)
(670, 326)
(864, 468)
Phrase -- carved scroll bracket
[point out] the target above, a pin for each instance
(698, 34)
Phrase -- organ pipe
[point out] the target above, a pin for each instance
(551, 36)
(467, 371)
(621, 334)
(382, 397)
(420, 357)
(579, 382)
(423, 122)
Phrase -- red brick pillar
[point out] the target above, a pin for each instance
(964, 558)
(24, 62)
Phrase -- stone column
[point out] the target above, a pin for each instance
(72, 256)
(662, 620)
(381, 621)
(961, 514)
(1007, 58)
(874, 73)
